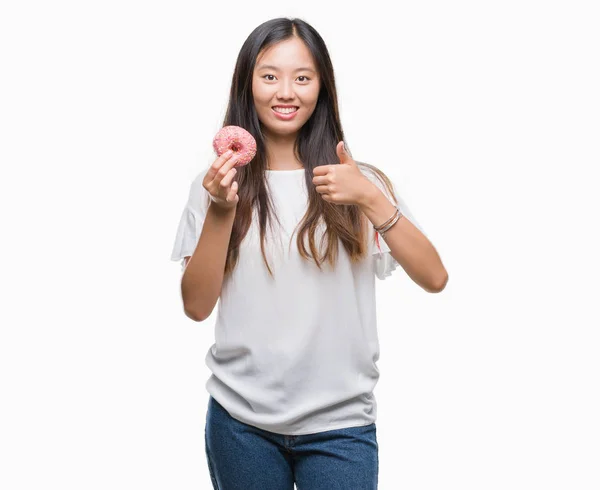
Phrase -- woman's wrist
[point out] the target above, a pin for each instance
(377, 207)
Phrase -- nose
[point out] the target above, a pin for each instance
(285, 90)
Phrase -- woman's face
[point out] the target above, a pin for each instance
(285, 74)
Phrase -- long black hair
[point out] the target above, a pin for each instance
(315, 145)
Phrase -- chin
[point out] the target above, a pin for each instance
(285, 132)
(283, 129)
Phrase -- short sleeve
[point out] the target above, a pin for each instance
(384, 263)
(191, 221)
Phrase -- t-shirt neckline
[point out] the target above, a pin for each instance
(292, 170)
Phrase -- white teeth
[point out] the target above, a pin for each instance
(287, 110)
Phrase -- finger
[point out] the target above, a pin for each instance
(321, 180)
(225, 169)
(226, 181)
(231, 197)
(321, 170)
(218, 163)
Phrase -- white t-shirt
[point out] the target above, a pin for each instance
(295, 354)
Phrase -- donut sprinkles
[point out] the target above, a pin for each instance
(237, 139)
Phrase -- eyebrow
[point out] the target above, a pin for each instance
(271, 67)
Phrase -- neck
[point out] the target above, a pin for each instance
(280, 152)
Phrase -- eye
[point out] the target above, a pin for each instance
(301, 76)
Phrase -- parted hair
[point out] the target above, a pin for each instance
(315, 145)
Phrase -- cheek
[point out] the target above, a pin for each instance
(262, 103)
(312, 97)
(316, 94)
(312, 104)
(260, 97)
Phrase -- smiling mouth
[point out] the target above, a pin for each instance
(290, 110)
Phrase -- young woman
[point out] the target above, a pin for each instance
(288, 245)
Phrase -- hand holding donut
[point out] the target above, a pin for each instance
(218, 181)
(235, 147)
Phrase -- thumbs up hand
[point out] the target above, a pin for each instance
(343, 183)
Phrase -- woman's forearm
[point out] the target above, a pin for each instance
(203, 276)
(411, 249)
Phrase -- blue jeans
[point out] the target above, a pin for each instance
(244, 457)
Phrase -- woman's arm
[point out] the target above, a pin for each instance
(413, 251)
(203, 275)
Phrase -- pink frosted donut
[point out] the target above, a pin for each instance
(237, 139)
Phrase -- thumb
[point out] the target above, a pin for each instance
(342, 153)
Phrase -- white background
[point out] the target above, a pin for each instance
(485, 113)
